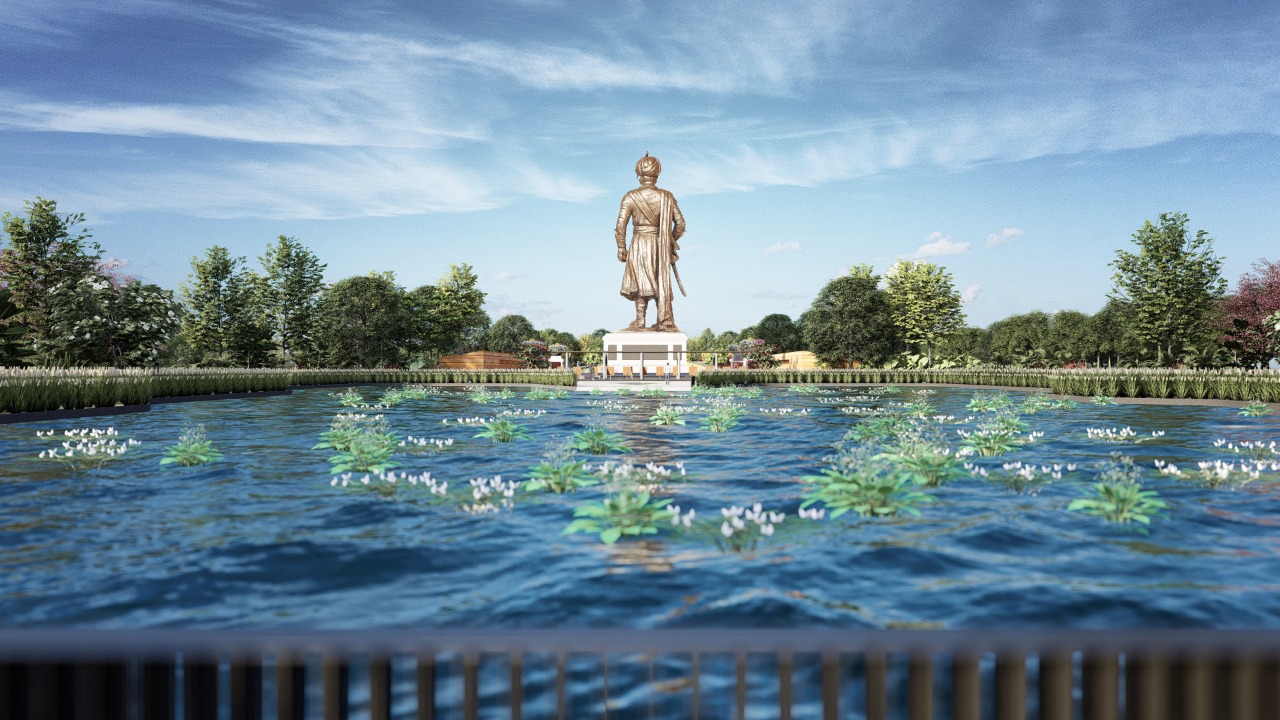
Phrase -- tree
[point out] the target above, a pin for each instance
(926, 306)
(777, 330)
(965, 343)
(248, 329)
(1071, 337)
(592, 348)
(294, 279)
(457, 310)
(95, 322)
(361, 321)
(14, 350)
(507, 332)
(42, 253)
(551, 336)
(228, 321)
(703, 342)
(1172, 282)
(851, 320)
(1244, 315)
(1021, 339)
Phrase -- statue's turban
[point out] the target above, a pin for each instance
(648, 166)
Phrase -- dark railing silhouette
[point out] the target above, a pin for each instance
(697, 673)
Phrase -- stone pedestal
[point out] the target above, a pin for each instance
(652, 351)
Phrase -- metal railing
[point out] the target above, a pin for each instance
(697, 673)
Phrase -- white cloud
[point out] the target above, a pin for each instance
(940, 244)
(1002, 237)
(780, 247)
(971, 293)
(504, 276)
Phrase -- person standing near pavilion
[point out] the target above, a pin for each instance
(657, 227)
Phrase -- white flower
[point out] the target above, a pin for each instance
(725, 529)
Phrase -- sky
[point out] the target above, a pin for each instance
(1017, 144)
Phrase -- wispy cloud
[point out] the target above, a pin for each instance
(781, 247)
(940, 244)
(971, 293)
(1002, 237)
(504, 276)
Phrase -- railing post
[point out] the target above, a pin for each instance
(1055, 685)
(1145, 684)
(741, 685)
(470, 685)
(1101, 689)
(966, 686)
(1011, 686)
(517, 686)
(877, 702)
(784, 685)
(1190, 689)
(379, 687)
(200, 688)
(337, 684)
(246, 688)
(831, 686)
(156, 689)
(426, 677)
(920, 687)
(291, 687)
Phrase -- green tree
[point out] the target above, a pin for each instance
(1173, 283)
(93, 321)
(43, 251)
(362, 321)
(14, 349)
(209, 305)
(1071, 337)
(457, 311)
(926, 305)
(294, 279)
(507, 332)
(1112, 334)
(1021, 339)
(591, 349)
(967, 342)
(851, 320)
(703, 342)
(778, 330)
(227, 320)
(248, 329)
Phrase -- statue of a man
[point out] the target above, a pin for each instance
(658, 225)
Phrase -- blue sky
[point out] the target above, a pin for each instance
(1017, 144)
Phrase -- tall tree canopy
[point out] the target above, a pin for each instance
(851, 320)
(507, 332)
(361, 321)
(777, 330)
(1172, 283)
(43, 251)
(926, 306)
(458, 313)
(294, 279)
(1244, 314)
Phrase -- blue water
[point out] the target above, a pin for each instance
(263, 539)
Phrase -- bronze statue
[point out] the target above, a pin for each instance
(651, 261)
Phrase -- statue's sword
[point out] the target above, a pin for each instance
(676, 271)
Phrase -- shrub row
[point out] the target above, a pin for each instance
(39, 389)
(1224, 384)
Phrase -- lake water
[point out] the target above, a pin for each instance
(262, 538)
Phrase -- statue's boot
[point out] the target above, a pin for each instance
(637, 325)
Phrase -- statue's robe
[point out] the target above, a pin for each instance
(658, 225)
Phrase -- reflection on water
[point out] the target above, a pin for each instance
(263, 539)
